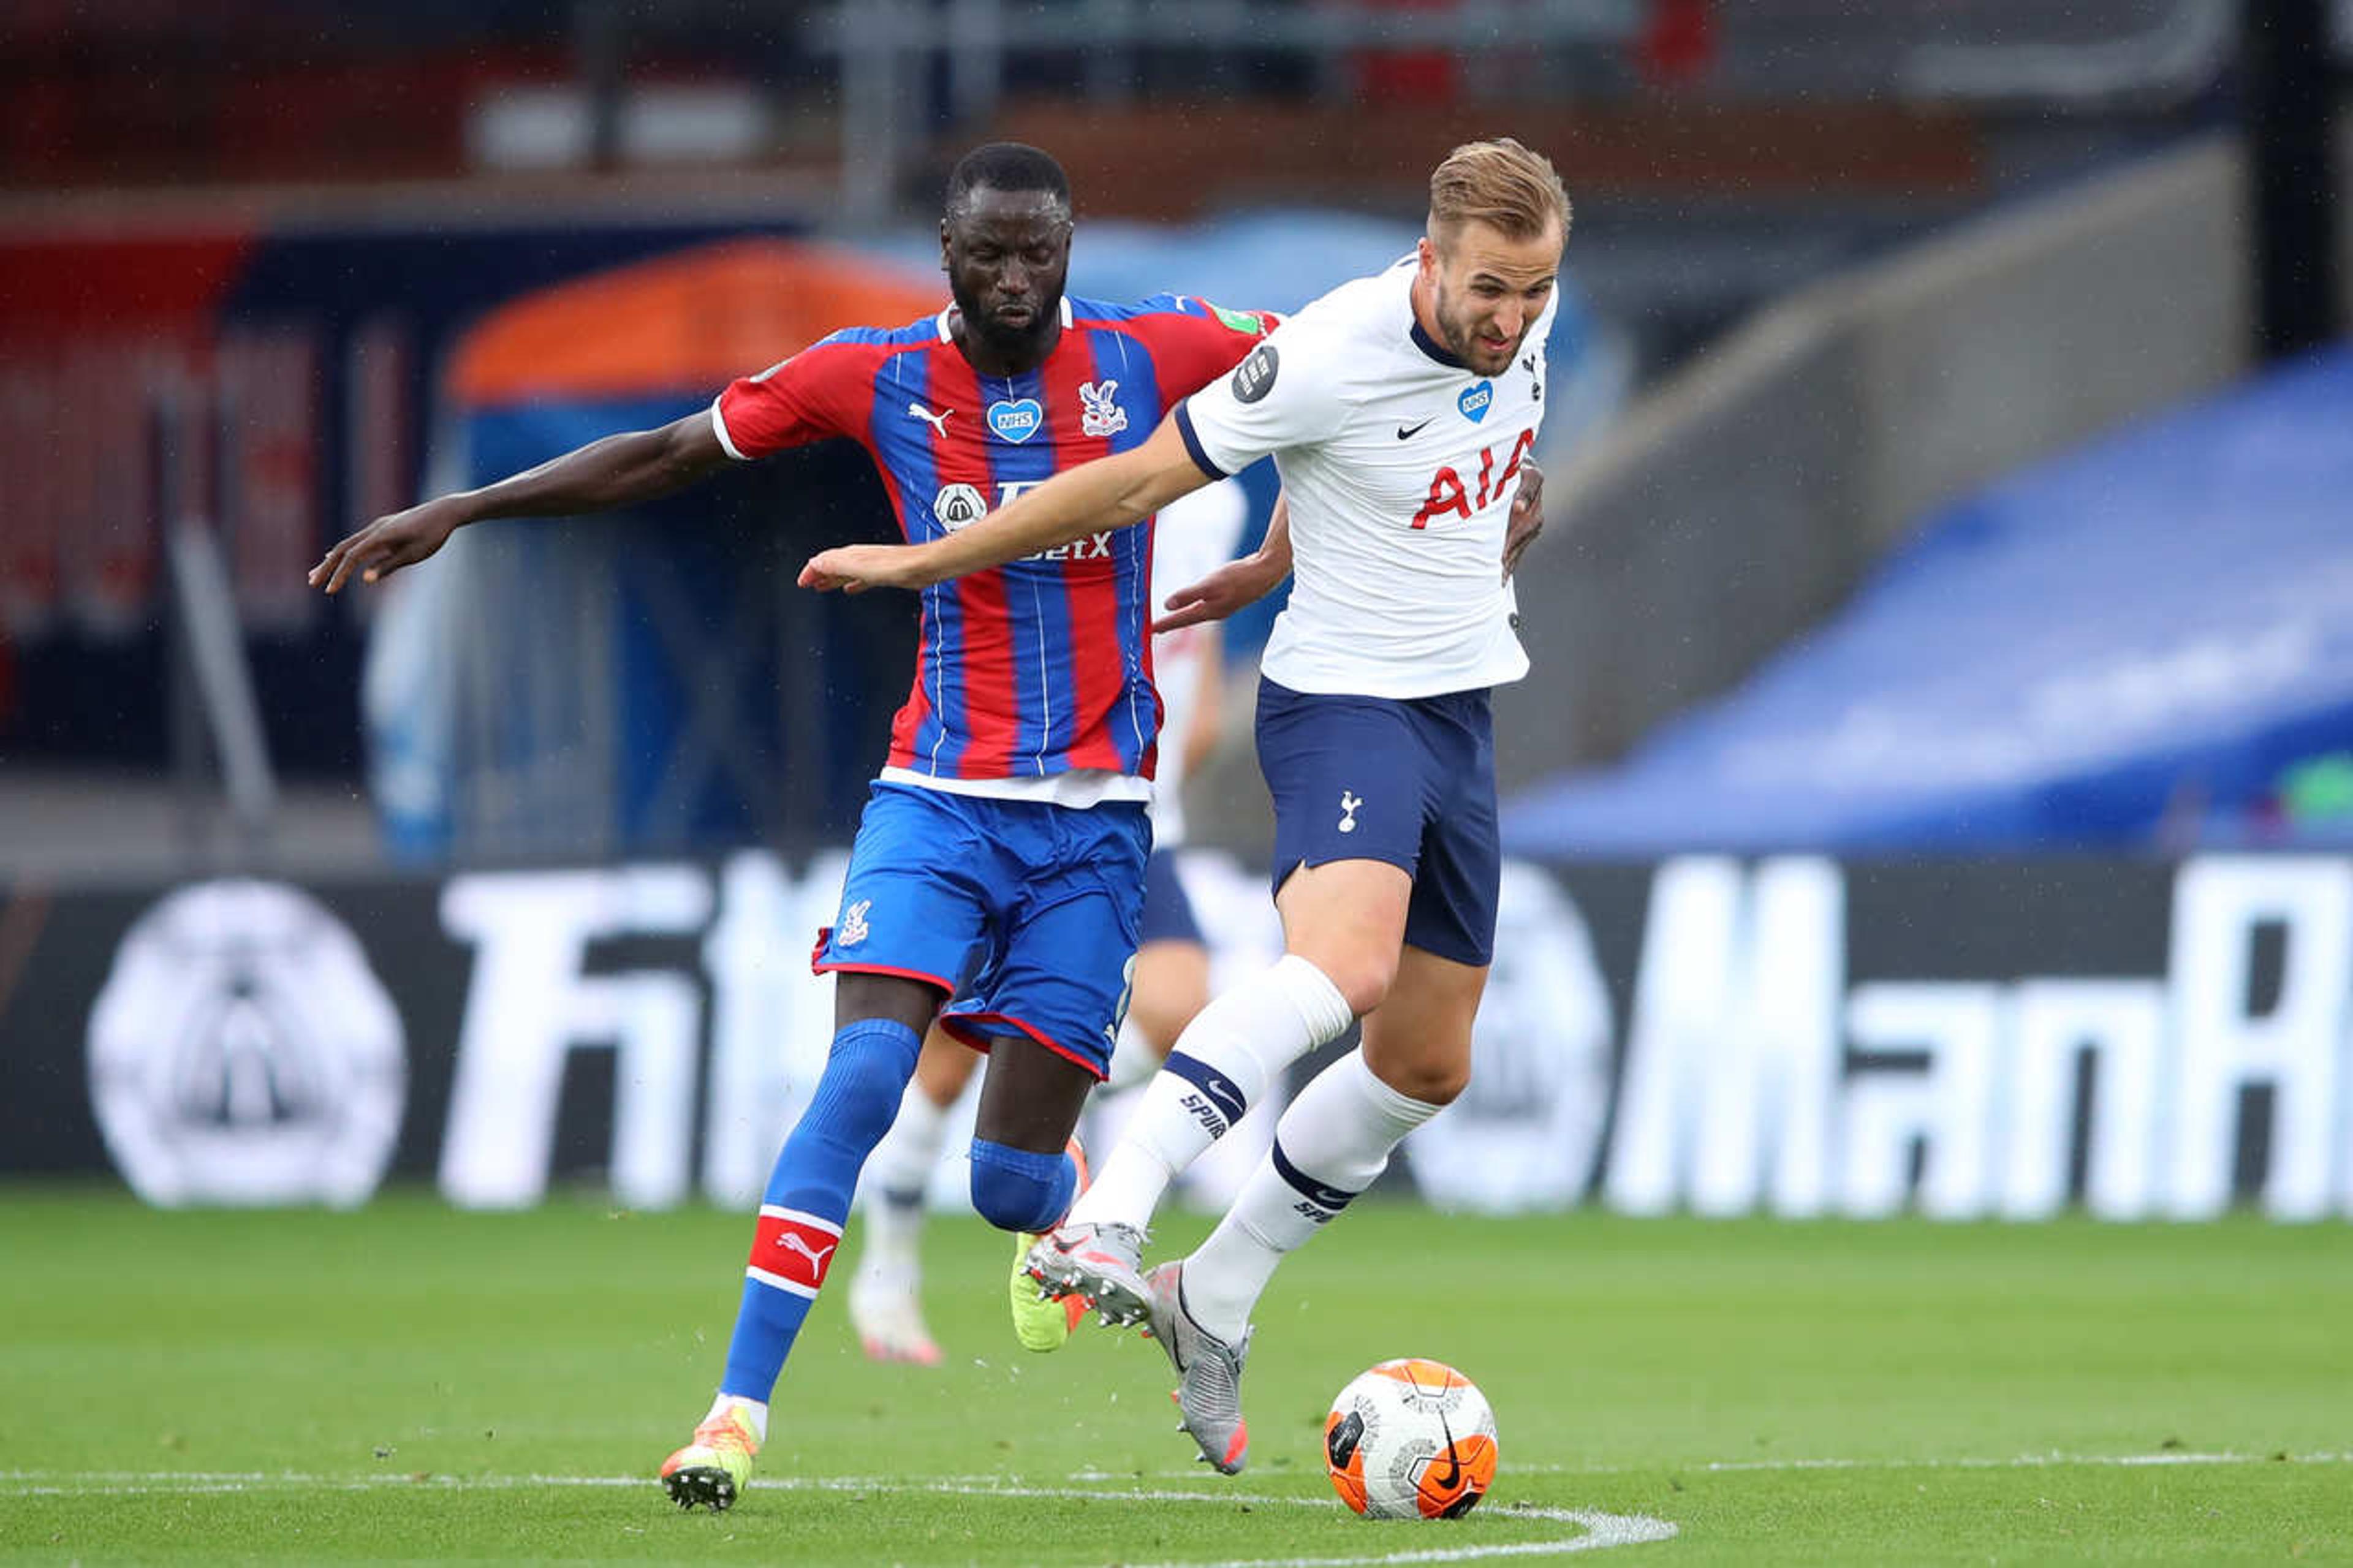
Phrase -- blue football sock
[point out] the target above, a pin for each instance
(809, 1196)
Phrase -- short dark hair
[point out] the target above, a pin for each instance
(1007, 166)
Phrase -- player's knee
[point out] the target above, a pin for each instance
(1431, 1079)
(1363, 978)
(1016, 1189)
(1160, 1019)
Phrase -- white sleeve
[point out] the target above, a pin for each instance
(1285, 393)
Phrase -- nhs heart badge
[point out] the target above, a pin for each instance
(1017, 420)
(1474, 401)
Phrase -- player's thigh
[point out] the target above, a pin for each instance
(1418, 1040)
(1348, 778)
(915, 901)
(1347, 917)
(1065, 957)
(1172, 984)
(1460, 880)
(1031, 1096)
(1172, 958)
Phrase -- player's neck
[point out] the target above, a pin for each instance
(992, 355)
(1424, 295)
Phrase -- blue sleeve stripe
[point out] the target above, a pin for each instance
(1193, 443)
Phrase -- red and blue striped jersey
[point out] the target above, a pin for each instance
(1043, 665)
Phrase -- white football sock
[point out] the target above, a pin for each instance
(900, 1166)
(756, 1409)
(1331, 1143)
(1237, 1044)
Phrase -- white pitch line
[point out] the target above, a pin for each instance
(167, 1480)
(1964, 1462)
(1598, 1531)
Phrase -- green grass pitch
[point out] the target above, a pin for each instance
(410, 1383)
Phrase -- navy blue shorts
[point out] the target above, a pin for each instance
(1409, 781)
(1028, 912)
(1168, 912)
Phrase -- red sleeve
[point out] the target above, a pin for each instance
(824, 390)
(1194, 343)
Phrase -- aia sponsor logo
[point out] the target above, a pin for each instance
(1449, 494)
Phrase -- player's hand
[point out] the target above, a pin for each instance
(389, 544)
(1231, 587)
(1526, 520)
(854, 568)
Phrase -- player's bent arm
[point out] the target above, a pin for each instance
(618, 470)
(1109, 493)
(1241, 582)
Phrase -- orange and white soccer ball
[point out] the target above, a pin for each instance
(1410, 1439)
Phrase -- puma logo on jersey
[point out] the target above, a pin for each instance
(938, 422)
(1348, 804)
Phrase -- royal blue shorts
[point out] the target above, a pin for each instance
(1411, 783)
(1029, 913)
(1167, 911)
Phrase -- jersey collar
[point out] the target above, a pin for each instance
(1432, 347)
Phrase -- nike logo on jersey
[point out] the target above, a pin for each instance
(1407, 432)
(938, 422)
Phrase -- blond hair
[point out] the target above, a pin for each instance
(1501, 183)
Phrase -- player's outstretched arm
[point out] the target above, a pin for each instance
(1240, 582)
(1527, 517)
(1108, 493)
(618, 470)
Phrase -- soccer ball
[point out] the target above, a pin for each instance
(1410, 1439)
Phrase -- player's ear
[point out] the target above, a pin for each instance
(945, 266)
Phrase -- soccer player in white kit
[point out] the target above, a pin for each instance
(1401, 410)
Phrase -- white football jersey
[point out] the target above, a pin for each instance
(1194, 535)
(1400, 465)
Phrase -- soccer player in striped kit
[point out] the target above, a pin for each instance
(1001, 856)
(1400, 410)
(1190, 538)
